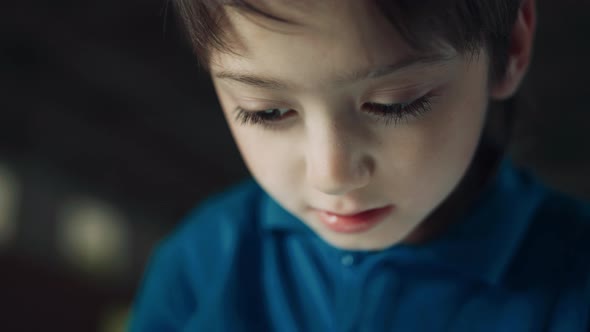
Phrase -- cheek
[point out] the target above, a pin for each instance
(455, 131)
(271, 161)
(432, 157)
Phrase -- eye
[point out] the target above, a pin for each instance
(395, 112)
(398, 112)
(266, 117)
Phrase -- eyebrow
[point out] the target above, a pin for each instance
(351, 77)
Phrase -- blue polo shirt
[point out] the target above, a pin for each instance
(518, 261)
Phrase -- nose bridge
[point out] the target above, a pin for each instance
(336, 160)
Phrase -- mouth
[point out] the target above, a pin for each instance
(353, 222)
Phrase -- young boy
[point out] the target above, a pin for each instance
(376, 202)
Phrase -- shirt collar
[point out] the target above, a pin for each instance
(484, 242)
(480, 246)
(275, 218)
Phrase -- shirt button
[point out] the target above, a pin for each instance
(347, 260)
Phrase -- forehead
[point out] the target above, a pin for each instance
(316, 44)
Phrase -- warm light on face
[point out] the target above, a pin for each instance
(342, 116)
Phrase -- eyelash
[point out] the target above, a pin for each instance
(397, 113)
(389, 113)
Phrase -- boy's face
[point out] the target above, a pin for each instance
(329, 147)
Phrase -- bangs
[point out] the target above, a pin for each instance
(465, 25)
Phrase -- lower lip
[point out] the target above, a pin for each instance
(354, 223)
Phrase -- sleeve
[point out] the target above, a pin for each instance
(164, 301)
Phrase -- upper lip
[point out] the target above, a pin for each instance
(348, 214)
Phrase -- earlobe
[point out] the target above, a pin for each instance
(519, 52)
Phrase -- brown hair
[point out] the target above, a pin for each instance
(466, 25)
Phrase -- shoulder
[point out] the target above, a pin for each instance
(231, 202)
(556, 224)
(566, 219)
(564, 222)
(556, 246)
(235, 208)
(190, 264)
(213, 233)
(218, 224)
(561, 233)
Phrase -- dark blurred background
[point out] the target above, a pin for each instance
(110, 133)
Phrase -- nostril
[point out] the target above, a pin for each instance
(340, 179)
(337, 164)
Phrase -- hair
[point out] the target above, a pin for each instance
(468, 26)
(465, 25)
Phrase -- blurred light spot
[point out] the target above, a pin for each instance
(92, 235)
(10, 190)
(115, 319)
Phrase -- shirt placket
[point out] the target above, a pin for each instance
(348, 303)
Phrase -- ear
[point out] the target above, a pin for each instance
(519, 51)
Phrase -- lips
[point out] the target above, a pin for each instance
(353, 223)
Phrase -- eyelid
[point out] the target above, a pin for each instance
(389, 98)
(400, 94)
(259, 104)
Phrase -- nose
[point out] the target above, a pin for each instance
(337, 163)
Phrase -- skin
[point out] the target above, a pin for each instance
(328, 151)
